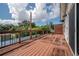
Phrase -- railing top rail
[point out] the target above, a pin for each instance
(19, 31)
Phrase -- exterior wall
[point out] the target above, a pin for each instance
(58, 28)
(66, 22)
(63, 10)
(69, 26)
(72, 28)
(78, 29)
(66, 28)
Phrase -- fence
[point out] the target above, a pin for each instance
(12, 37)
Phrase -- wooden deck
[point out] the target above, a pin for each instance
(49, 45)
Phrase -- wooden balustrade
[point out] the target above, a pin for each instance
(11, 37)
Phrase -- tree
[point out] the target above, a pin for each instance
(5, 27)
(51, 25)
(33, 25)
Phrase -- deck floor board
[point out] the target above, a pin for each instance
(50, 45)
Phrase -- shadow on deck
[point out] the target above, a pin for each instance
(47, 45)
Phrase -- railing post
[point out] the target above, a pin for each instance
(36, 33)
(5, 39)
(30, 34)
(43, 32)
(10, 38)
(1, 40)
(30, 25)
(19, 35)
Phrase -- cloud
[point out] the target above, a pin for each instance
(9, 21)
(41, 14)
(56, 11)
(19, 12)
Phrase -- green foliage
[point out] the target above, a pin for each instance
(52, 25)
(6, 27)
(24, 26)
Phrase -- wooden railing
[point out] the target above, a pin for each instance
(12, 37)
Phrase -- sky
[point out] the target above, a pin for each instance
(42, 13)
(4, 11)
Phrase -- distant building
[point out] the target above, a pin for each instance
(58, 28)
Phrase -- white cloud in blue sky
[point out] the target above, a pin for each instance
(40, 11)
(9, 21)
